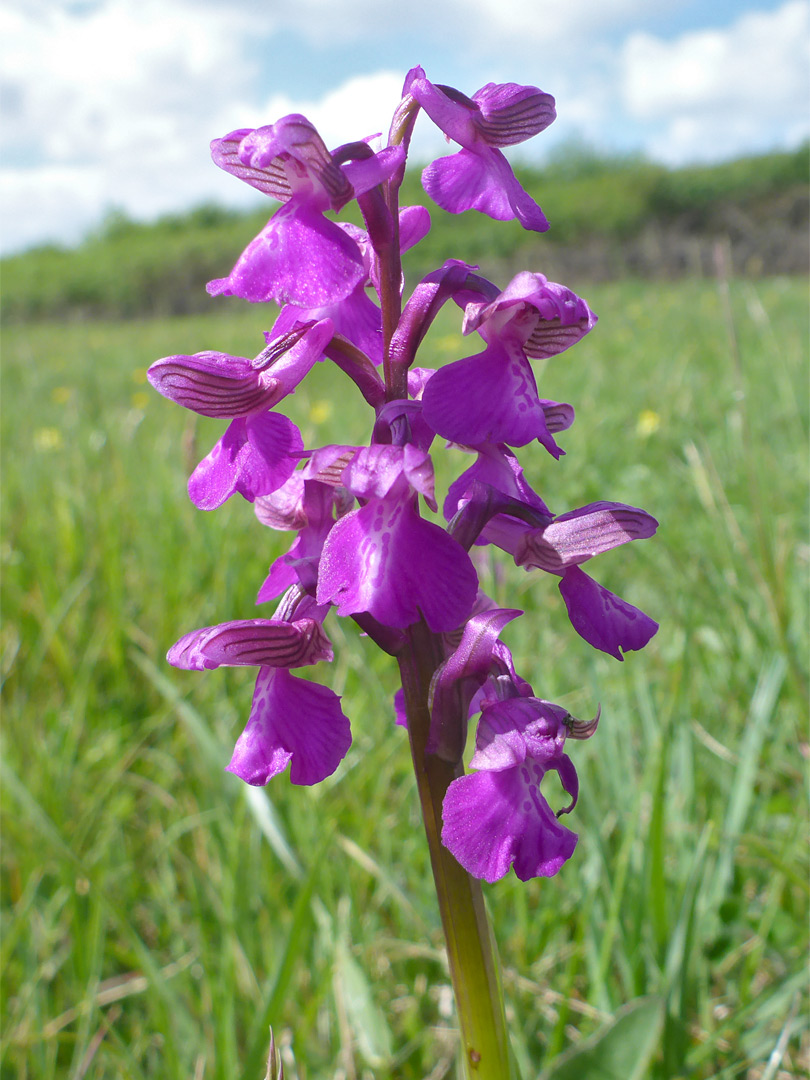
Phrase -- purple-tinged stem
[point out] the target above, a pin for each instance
(396, 376)
(470, 945)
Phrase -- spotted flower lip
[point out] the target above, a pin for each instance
(356, 316)
(292, 722)
(497, 818)
(490, 397)
(384, 559)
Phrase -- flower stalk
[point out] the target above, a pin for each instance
(471, 950)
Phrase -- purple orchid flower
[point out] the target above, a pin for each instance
(479, 177)
(497, 817)
(492, 397)
(356, 317)
(384, 558)
(300, 257)
(603, 619)
(361, 543)
(259, 449)
(291, 719)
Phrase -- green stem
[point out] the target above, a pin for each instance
(470, 945)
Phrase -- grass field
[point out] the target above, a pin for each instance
(159, 914)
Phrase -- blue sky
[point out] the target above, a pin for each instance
(112, 103)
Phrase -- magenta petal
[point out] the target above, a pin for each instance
(414, 225)
(386, 560)
(210, 383)
(356, 317)
(581, 534)
(497, 467)
(468, 666)
(272, 180)
(515, 729)
(252, 643)
(487, 398)
(289, 357)
(275, 449)
(460, 182)
(603, 619)
(255, 456)
(511, 113)
(569, 779)
(300, 257)
(284, 508)
(366, 173)
(376, 470)
(544, 316)
(459, 679)
(559, 415)
(214, 480)
(359, 319)
(482, 179)
(449, 109)
(280, 577)
(294, 146)
(493, 820)
(291, 719)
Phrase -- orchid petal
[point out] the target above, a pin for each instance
(579, 535)
(252, 643)
(494, 820)
(603, 619)
(388, 561)
(291, 719)
(271, 179)
(511, 113)
(482, 179)
(299, 257)
(487, 398)
(255, 456)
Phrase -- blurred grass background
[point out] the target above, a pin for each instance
(158, 914)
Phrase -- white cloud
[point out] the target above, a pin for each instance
(527, 24)
(712, 92)
(468, 25)
(112, 104)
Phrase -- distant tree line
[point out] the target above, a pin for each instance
(610, 216)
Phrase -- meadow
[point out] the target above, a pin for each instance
(159, 915)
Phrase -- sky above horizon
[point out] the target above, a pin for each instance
(111, 104)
